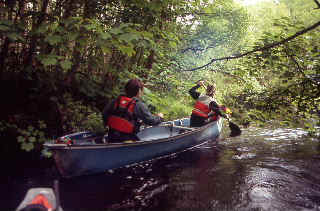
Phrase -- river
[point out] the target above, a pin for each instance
(263, 169)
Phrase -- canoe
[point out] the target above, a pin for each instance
(40, 198)
(85, 153)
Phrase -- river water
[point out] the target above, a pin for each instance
(263, 169)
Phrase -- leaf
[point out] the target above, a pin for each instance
(146, 34)
(105, 35)
(172, 44)
(21, 139)
(27, 146)
(72, 36)
(43, 28)
(124, 25)
(46, 153)
(127, 50)
(41, 134)
(15, 37)
(25, 132)
(42, 124)
(116, 31)
(147, 91)
(32, 139)
(42, 139)
(156, 7)
(105, 49)
(66, 64)
(82, 42)
(53, 39)
(48, 61)
(90, 26)
(6, 22)
(4, 28)
(128, 37)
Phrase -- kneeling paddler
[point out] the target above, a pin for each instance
(123, 116)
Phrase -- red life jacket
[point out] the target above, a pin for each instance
(41, 199)
(122, 118)
(201, 108)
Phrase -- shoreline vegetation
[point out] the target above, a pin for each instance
(61, 62)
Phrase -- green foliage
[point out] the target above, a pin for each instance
(80, 55)
(79, 117)
(28, 137)
(219, 31)
(171, 106)
(11, 30)
(94, 123)
(280, 83)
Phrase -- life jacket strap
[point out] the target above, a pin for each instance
(199, 113)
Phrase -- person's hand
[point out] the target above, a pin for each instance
(201, 83)
(222, 107)
(160, 115)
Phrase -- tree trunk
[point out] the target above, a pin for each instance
(33, 41)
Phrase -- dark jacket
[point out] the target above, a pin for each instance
(140, 113)
(193, 92)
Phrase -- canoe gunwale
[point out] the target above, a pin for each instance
(136, 143)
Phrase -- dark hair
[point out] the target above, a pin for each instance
(132, 87)
(211, 90)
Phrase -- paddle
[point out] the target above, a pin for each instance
(57, 194)
(235, 129)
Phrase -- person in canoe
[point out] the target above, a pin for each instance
(124, 115)
(206, 108)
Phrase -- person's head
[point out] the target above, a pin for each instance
(133, 87)
(211, 90)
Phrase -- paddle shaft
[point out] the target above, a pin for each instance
(56, 192)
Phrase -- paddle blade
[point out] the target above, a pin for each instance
(235, 130)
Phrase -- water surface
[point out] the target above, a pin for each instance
(263, 169)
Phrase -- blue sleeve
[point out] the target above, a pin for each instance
(143, 113)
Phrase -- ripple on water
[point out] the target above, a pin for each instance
(262, 169)
(282, 184)
(282, 133)
(244, 156)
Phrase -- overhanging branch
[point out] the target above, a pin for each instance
(228, 74)
(318, 4)
(266, 47)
